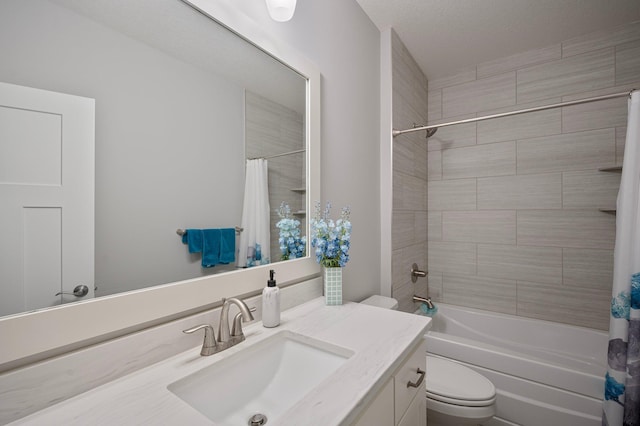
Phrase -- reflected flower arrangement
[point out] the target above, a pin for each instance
(292, 245)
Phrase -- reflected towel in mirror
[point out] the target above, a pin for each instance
(217, 246)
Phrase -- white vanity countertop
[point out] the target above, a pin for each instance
(379, 338)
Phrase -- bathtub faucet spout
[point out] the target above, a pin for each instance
(426, 300)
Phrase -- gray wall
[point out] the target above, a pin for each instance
(514, 224)
(343, 43)
(165, 133)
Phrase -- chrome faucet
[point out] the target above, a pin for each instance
(426, 300)
(232, 337)
(226, 339)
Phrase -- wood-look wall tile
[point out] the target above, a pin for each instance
(452, 136)
(591, 268)
(566, 228)
(409, 87)
(588, 71)
(493, 294)
(410, 155)
(420, 288)
(519, 60)
(434, 290)
(402, 231)
(435, 226)
(601, 39)
(434, 105)
(462, 76)
(496, 159)
(571, 151)
(403, 258)
(609, 90)
(434, 165)
(585, 307)
(449, 257)
(403, 294)
(522, 126)
(458, 194)
(420, 226)
(410, 165)
(486, 226)
(594, 115)
(628, 63)
(543, 264)
(621, 137)
(487, 93)
(537, 191)
(590, 189)
(409, 192)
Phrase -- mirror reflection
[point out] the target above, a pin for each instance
(154, 114)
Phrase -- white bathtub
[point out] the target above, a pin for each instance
(545, 373)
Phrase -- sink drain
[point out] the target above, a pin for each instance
(257, 420)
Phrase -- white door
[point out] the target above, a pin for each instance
(46, 197)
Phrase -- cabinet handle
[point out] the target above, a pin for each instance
(420, 380)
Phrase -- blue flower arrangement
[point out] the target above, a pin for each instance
(292, 245)
(331, 239)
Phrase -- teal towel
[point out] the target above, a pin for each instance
(210, 247)
(227, 245)
(193, 238)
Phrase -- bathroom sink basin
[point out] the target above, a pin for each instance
(266, 378)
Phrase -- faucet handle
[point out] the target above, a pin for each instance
(209, 346)
(415, 273)
(236, 331)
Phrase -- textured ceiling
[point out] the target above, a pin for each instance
(448, 35)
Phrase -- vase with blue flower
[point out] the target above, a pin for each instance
(331, 240)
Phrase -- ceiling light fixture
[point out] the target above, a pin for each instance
(281, 10)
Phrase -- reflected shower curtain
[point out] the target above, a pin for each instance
(255, 237)
(622, 382)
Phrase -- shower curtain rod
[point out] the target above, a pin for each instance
(279, 155)
(522, 111)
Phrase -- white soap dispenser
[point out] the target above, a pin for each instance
(271, 303)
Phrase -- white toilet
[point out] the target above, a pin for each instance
(456, 395)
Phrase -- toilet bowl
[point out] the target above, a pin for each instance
(456, 395)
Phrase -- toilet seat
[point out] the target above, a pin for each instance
(451, 383)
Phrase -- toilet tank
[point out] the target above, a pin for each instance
(381, 302)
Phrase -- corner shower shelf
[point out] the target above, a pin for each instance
(610, 211)
(300, 213)
(615, 169)
(300, 190)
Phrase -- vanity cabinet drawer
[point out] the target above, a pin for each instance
(409, 380)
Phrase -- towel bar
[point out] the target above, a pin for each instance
(181, 232)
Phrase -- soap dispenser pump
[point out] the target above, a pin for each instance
(271, 303)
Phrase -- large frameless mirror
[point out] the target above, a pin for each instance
(179, 103)
(147, 115)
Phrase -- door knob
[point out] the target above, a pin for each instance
(78, 291)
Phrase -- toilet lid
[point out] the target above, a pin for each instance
(454, 383)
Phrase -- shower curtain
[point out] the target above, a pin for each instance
(255, 239)
(622, 381)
